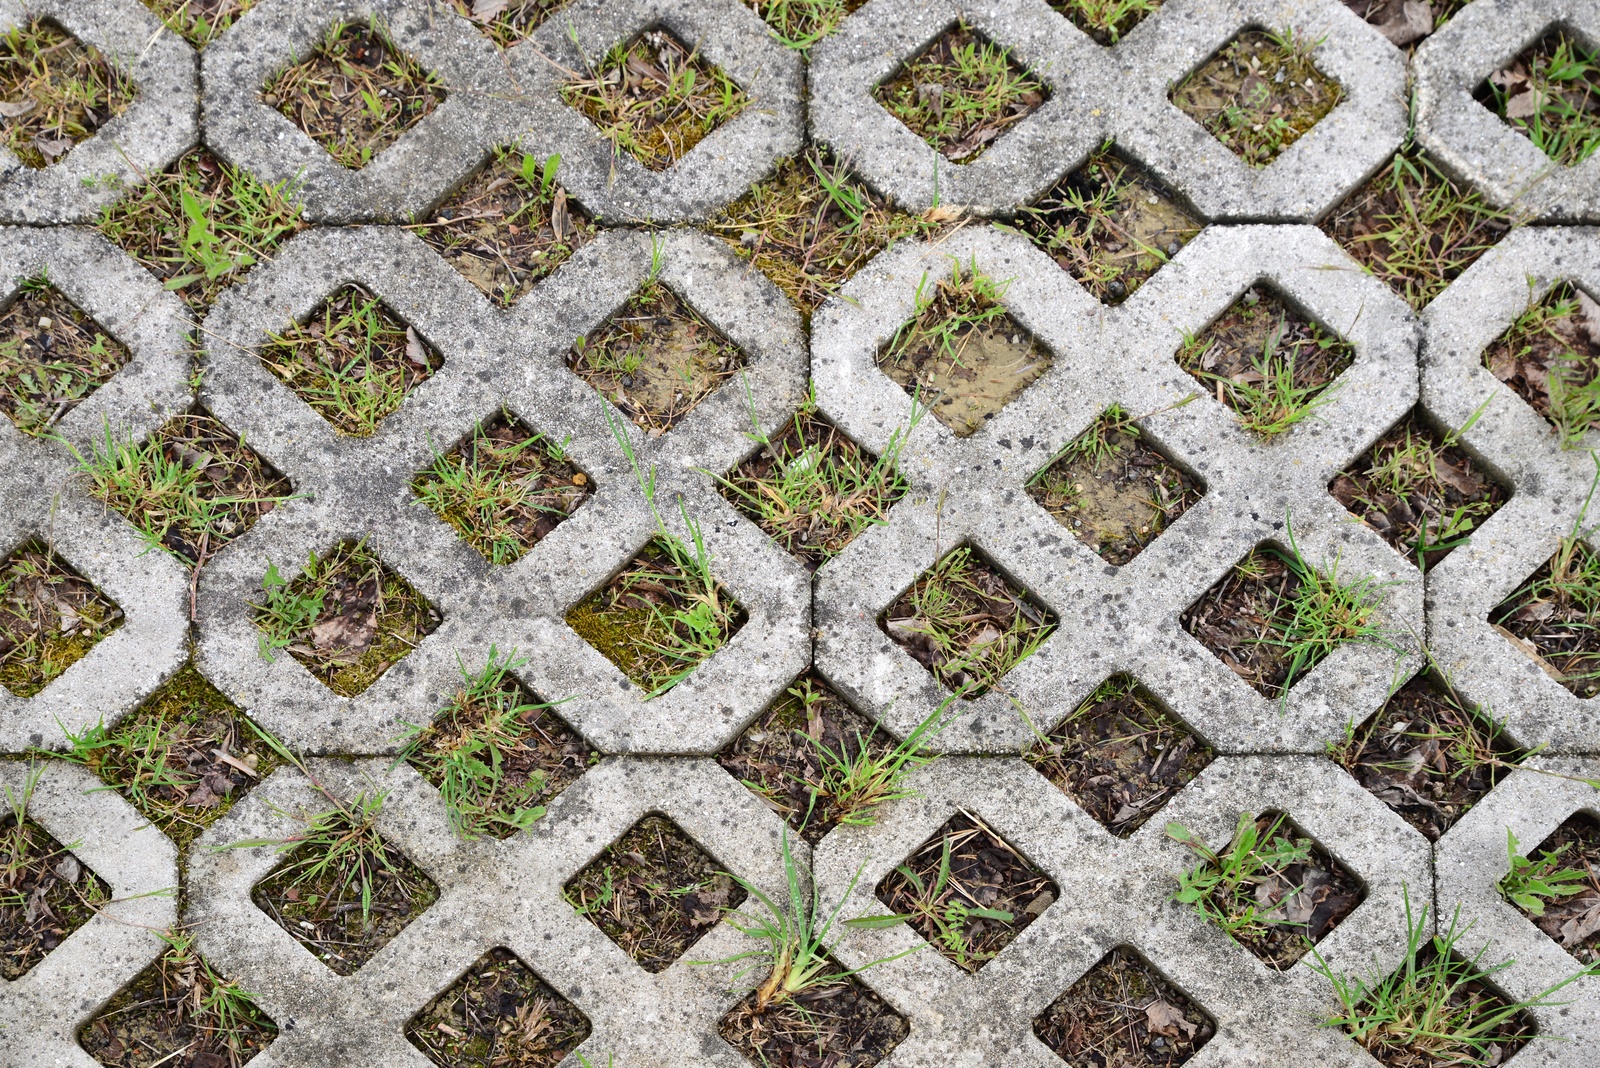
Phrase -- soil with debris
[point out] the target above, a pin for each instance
(986, 366)
(654, 892)
(52, 356)
(1107, 21)
(1556, 113)
(1573, 921)
(46, 893)
(1427, 756)
(778, 757)
(55, 92)
(1116, 499)
(1242, 618)
(1120, 756)
(1257, 96)
(1110, 225)
(505, 230)
(1554, 617)
(498, 1015)
(1560, 339)
(1123, 1014)
(324, 912)
(656, 359)
(199, 21)
(984, 873)
(1423, 496)
(842, 1025)
(507, 22)
(1405, 22)
(50, 617)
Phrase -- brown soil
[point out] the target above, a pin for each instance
(356, 94)
(1558, 338)
(985, 872)
(504, 230)
(45, 893)
(514, 491)
(1115, 493)
(1573, 921)
(654, 892)
(50, 617)
(656, 359)
(1123, 1014)
(843, 1025)
(1554, 617)
(498, 1015)
(60, 90)
(506, 22)
(777, 755)
(950, 97)
(199, 21)
(324, 913)
(1243, 616)
(1120, 756)
(1427, 756)
(1110, 225)
(52, 356)
(1416, 490)
(1257, 97)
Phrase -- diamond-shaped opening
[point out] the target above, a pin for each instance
(345, 892)
(498, 753)
(963, 354)
(967, 623)
(1559, 889)
(199, 21)
(1109, 224)
(50, 617)
(1414, 228)
(347, 617)
(1550, 93)
(1554, 617)
(353, 360)
(183, 758)
(356, 93)
(180, 1012)
(988, 896)
(46, 893)
(498, 1013)
(658, 619)
(655, 97)
(1274, 617)
(503, 488)
(1259, 94)
(656, 358)
(1282, 895)
(246, 221)
(797, 756)
(1120, 755)
(1550, 356)
(1123, 1012)
(1113, 489)
(799, 26)
(52, 356)
(1107, 21)
(654, 892)
(961, 93)
(57, 91)
(508, 226)
(843, 1024)
(1420, 490)
(813, 489)
(507, 22)
(190, 488)
(1405, 26)
(1428, 754)
(1265, 360)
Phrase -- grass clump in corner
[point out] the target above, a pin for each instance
(1554, 616)
(50, 617)
(507, 22)
(52, 356)
(46, 893)
(1107, 21)
(799, 24)
(56, 90)
(199, 21)
(1551, 94)
(1550, 357)
(1557, 885)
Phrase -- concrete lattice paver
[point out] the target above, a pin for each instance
(653, 755)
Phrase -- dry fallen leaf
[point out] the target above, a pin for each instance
(1590, 308)
(1580, 927)
(415, 352)
(1412, 22)
(1523, 105)
(15, 109)
(1167, 1019)
(484, 10)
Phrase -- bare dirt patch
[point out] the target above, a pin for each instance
(52, 356)
(50, 617)
(498, 1015)
(1123, 1014)
(45, 892)
(842, 1025)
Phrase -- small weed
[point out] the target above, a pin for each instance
(799, 24)
(1123, 1013)
(1550, 93)
(1107, 21)
(353, 362)
(1557, 885)
(1554, 614)
(356, 93)
(52, 356)
(1550, 356)
(961, 93)
(499, 1013)
(57, 92)
(655, 98)
(199, 21)
(50, 617)
(1531, 882)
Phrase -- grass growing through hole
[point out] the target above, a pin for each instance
(1259, 94)
(494, 754)
(52, 356)
(1533, 881)
(655, 98)
(354, 363)
(356, 93)
(1437, 1008)
(199, 225)
(507, 22)
(799, 24)
(199, 21)
(190, 488)
(55, 92)
(1550, 355)
(1107, 21)
(1555, 615)
(1551, 93)
(50, 617)
(504, 488)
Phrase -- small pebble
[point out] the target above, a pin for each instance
(580, 479)
(45, 323)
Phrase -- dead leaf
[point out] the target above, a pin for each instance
(1166, 1019)
(1041, 901)
(932, 94)
(52, 148)
(415, 351)
(1590, 308)
(348, 632)
(1523, 105)
(560, 217)
(484, 10)
(15, 109)
(37, 906)
(1581, 926)
(1412, 22)
(69, 869)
